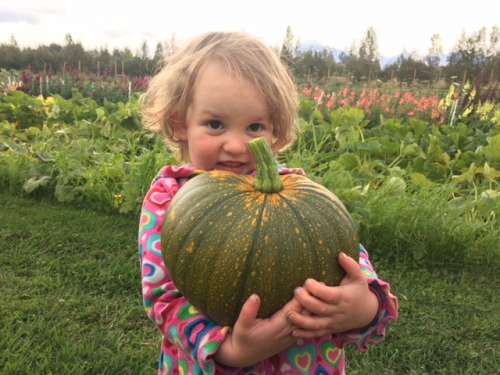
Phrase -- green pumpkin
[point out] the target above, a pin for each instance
(227, 236)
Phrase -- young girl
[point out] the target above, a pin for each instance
(209, 101)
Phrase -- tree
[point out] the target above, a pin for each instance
(144, 55)
(144, 50)
(289, 47)
(468, 56)
(158, 56)
(73, 53)
(10, 54)
(13, 41)
(363, 61)
(170, 46)
(369, 55)
(350, 61)
(493, 55)
(368, 49)
(408, 67)
(433, 58)
(68, 39)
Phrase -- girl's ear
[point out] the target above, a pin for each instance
(178, 127)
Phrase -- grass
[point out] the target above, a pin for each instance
(71, 303)
(70, 287)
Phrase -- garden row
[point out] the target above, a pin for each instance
(445, 178)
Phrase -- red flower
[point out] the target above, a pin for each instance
(331, 101)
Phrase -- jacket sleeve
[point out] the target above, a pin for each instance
(179, 321)
(374, 333)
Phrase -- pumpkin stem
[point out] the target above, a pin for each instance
(267, 178)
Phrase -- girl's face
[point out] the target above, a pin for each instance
(225, 113)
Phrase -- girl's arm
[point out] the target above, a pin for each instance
(387, 312)
(176, 318)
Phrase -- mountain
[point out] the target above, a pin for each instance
(318, 47)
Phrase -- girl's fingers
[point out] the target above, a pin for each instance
(350, 266)
(310, 322)
(320, 292)
(280, 318)
(249, 310)
(328, 294)
(313, 304)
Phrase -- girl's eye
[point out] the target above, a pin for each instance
(214, 125)
(255, 127)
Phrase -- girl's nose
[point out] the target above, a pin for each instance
(235, 145)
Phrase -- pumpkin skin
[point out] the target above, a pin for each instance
(223, 240)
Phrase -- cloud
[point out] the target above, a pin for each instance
(114, 34)
(7, 16)
(51, 9)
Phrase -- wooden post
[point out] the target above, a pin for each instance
(98, 68)
(116, 69)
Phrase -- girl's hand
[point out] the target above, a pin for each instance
(331, 310)
(253, 340)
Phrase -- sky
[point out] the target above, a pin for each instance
(399, 25)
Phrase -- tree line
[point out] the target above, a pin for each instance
(475, 57)
(72, 57)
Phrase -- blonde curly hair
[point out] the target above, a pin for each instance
(170, 91)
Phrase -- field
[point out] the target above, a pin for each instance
(72, 304)
(420, 175)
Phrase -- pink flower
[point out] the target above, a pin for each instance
(331, 101)
(318, 95)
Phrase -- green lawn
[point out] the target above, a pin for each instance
(71, 303)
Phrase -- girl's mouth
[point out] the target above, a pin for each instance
(232, 166)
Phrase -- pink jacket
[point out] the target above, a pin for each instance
(190, 339)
